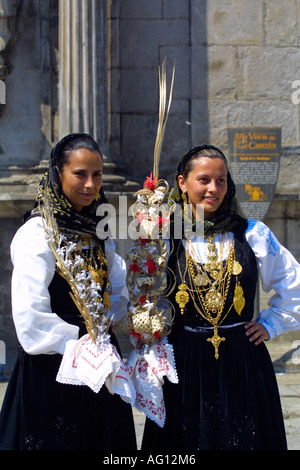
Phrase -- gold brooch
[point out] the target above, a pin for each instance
(182, 297)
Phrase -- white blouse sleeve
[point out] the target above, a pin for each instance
(278, 271)
(39, 330)
(117, 277)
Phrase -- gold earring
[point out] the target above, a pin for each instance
(185, 205)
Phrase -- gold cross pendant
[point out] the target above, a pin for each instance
(216, 340)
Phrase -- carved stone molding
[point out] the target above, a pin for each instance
(7, 30)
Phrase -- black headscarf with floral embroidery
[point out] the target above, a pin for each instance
(227, 217)
(68, 219)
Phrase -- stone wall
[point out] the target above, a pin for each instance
(235, 64)
(143, 33)
(253, 56)
(27, 121)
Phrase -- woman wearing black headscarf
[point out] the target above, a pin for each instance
(227, 395)
(40, 412)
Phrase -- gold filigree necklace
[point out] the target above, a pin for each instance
(210, 283)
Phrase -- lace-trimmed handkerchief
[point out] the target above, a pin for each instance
(84, 363)
(147, 367)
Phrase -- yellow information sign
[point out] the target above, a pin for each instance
(254, 158)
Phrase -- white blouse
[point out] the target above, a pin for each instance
(278, 270)
(39, 330)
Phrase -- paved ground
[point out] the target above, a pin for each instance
(286, 361)
(287, 370)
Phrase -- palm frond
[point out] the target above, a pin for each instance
(163, 113)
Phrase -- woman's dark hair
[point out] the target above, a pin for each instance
(210, 152)
(62, 151)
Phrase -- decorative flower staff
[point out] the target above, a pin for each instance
(146, 279)
(149, 315)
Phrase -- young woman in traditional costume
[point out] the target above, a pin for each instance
(40, 412)
(227, 395)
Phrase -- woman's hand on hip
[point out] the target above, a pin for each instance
(256, 332)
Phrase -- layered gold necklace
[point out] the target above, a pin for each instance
(209, 285)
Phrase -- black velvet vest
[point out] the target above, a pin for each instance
(62, 303)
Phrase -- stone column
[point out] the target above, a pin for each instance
(83, 100)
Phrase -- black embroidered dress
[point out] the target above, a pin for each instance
(227, 403)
